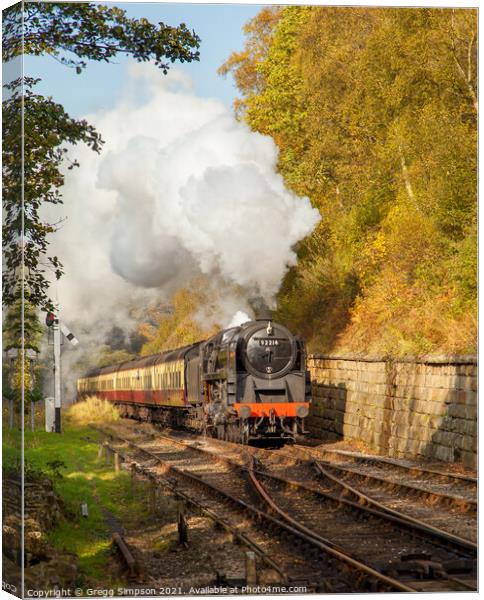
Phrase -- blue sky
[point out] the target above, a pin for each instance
(219, 27)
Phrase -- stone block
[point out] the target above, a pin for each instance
(443, 453)
(435, 394)
(340, 404)
(435, 421)
(314, 411)
(399, 417)
(467, 397)
(452, 397)
(471, 370)
(382, 415)
(448, 423)
(351, 418)
(446, 438)
(368, 411)
(338, 427)
(467, 443)
(469, 460)
(413, 447)
(351, 431)
(314, 421)
(339, 415)
(378, 378)
(398, 402)
(421, 433)
(432, 408)
(465, 426)
(439, 381)
(462, 412)
(328, 424)
(462, 382)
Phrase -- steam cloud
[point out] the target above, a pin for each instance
(180, 188)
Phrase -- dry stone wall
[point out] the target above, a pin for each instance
(407, 408)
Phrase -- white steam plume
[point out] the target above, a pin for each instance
(180, 188)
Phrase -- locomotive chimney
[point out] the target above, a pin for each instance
(262, 312)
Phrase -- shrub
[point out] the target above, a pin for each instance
(92, 410)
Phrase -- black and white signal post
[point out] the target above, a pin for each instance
(58, 328)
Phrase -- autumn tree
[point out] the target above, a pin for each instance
(180, 324)
(374, 114)
(245, 65)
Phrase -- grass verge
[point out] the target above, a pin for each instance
(71, 460)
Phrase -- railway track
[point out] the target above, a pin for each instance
(298, 557)
(403, 552)
(453, 489)
(406, 550)
(443, 501)
(454, 515)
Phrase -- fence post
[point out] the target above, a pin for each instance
(116, 462)
(182, 525)
(108, 453)
(250, 569)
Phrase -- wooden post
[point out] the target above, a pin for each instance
(116, 462)
(108, 453)
(152, 496)
(100, 449)
(10, 413)
(250, 569)
(128, 557)
(182, 525)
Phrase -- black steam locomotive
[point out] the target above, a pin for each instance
(244, 383)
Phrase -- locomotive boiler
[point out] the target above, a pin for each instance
(244, 383)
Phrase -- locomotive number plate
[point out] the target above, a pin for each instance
(263, 342)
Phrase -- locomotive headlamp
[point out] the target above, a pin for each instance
(270, 329)
(244, 412)
(302, 411)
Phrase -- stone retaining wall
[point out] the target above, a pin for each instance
(403, 408)
(40, 501)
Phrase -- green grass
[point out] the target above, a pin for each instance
(85, 478)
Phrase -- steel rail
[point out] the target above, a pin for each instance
(443, 497)
(269, 500)
(391, 462)
(387, 582)
(320, 541)
(421, 525)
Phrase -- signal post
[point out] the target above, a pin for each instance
(51, 320)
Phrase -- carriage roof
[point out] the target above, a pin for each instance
(143, 362)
